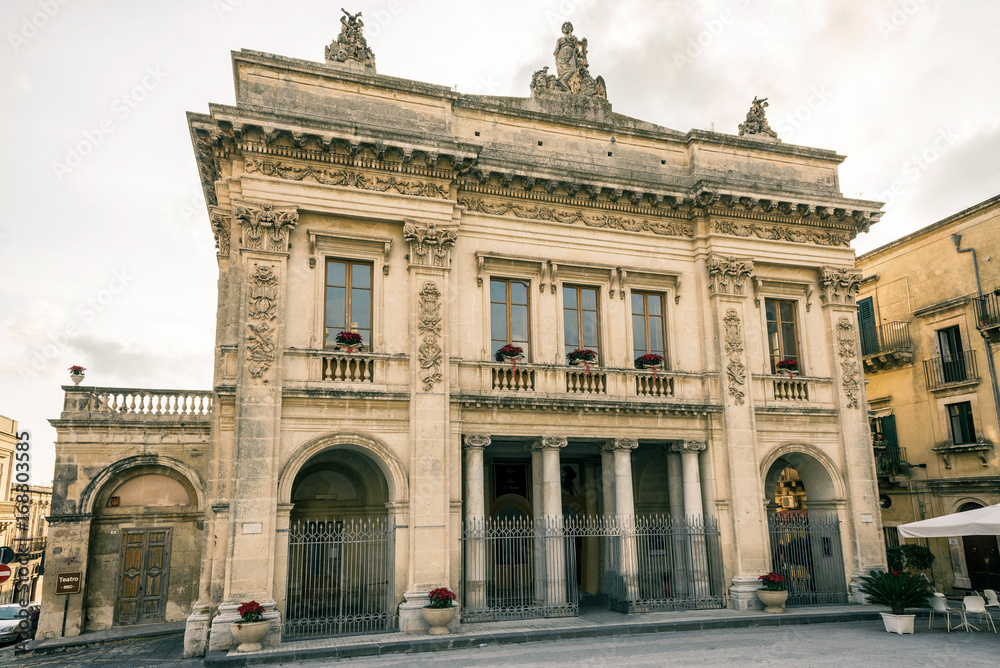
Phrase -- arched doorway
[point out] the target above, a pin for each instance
(804, 528)
(982, 556)
(145, 547)
(341, 546)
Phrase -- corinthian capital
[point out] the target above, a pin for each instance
(548, 443)
(838, 286)
(688, 446)
(728, 274)
(429, 244)
(265, 226)
(619, 444)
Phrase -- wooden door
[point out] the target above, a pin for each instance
(142, 588)
(982, 559)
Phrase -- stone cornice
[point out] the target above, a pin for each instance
(471, 400)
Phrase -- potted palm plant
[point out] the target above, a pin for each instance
(251, 628)
(773, 592)
(440, 611)
(899, 590)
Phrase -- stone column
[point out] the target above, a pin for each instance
(698, 551)
(551, 528)
(627, 557)
(475, 522)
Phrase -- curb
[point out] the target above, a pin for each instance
(36, 649)
(221, 658)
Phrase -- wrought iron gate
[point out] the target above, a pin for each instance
(340, 577)
(521, 569)
(806, 550)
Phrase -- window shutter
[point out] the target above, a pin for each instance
(867, 327)
(889, 431)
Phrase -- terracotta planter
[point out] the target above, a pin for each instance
(897, 623)
(438, 618)
(77, 378)
(249, 634)
(774, 601)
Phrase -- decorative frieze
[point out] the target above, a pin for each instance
(262, 305)
(221, 221)
(619, 444)
(736, 371)
(780, 233)
(430, 245)
(429, 325)
(838, 285)
(728, 274)
(847, 350)
(349, 178)
(265, 226)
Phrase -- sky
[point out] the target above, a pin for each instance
(106, 256)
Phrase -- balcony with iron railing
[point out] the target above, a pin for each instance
(886, 346)
(888, 459)
(988, 315)
(949, 371)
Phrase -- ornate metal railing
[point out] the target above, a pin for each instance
(885, 338)
(888, 458)
(988, 310)
(806, 550)
(947, 370)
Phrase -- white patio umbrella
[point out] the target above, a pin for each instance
(978, 522)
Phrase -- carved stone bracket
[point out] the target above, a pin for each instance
(838, 285)
(619, 444)
(221, 225)
(477, 441)
(847, 351)
(688, 445)
(262, 306)
(430, 245)
(548, 443)
(728, 274)
(736, 371)
(429, 324)
(265, 226)
(618, 283)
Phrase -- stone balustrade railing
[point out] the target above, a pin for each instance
(581, 381)
(141, 403)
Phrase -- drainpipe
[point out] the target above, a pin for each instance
(957, 240)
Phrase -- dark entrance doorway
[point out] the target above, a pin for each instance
(982, 557)
(142, 579)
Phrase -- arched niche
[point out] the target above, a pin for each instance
(150, 490)
(817, 472)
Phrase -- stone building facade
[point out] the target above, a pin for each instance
(929, 316)
(381, 244)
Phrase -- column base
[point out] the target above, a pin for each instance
(411, 620)
(743, 594)
(196, 631)
(221, 637)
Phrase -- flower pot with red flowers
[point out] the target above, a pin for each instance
(650, 361)
(509, 353)
(773, 592)
(76, 373)
(440, 611)
(349, 342)
(251, 628)
(789, 365)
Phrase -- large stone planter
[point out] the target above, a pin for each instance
(77, 378)
(249, 634)
(774, 601)
(439, 619)
(897, 623)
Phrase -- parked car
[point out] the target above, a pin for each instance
(10, 620)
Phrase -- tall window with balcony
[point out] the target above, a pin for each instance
(952, 358)
(963, 430)
(581, 319)
(509, 315)
(888, 454)
(648, 325)
(782, 333)
(348, 300)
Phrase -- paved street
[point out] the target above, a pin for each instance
(853, 644)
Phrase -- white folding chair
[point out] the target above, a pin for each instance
(975, 605)
(991, 600)
(939, 604)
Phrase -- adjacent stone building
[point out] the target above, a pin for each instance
(525, 348)
(929, 315)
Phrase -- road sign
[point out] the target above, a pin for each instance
(6, 555)
(5, 573)
(68, 583)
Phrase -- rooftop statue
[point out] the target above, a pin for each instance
(572, 70)
(756, 124)
(350, 43)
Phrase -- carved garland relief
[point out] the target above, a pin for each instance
(849, 361)
(736, 371)
(780, 233)
(346, 177)
(429, 324)
(262, 308)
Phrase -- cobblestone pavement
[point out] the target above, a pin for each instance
(851, 644)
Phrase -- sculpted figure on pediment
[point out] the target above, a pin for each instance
(572, 69)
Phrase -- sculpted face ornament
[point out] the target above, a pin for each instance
(572, 69)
